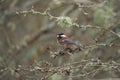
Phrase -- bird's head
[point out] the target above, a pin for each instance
(61, 35)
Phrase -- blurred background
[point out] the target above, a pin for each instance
(26, 37)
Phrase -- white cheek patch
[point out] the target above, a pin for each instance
(63, 35)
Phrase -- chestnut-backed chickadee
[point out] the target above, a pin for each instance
(67, 43)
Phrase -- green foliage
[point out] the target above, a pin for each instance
(56, 77)
(103, 16)
(118, 30)
(111, 73)
(64, 21)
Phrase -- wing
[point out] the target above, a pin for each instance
(68, 41)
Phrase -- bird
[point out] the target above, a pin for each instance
(67, 43)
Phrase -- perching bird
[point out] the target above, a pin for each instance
(67, 43)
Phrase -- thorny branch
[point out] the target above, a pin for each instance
(66, 69)
(51, 17)
(45, 13)
(90, 47)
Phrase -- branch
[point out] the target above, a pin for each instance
(65, 21)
